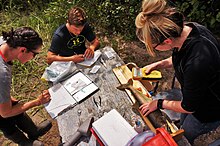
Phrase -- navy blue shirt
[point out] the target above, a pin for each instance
(197, 68)
(64, 43)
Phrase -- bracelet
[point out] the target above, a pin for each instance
(160, 103)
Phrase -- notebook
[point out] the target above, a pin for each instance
(113, 129)
(90, 62)
(69, 92)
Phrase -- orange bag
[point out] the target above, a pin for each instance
(162, 138)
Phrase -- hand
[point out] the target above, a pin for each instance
(78, 58)
(14, 100)
(44, 97)
(150, 67)
(89, 53)
(149, 107)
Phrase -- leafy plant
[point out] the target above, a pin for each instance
(26, 5)
(206, 12)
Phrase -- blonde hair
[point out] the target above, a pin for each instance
(155, 23)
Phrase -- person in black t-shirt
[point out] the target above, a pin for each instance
(196, 61)
(68, 42)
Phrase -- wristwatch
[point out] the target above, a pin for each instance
(160, 103)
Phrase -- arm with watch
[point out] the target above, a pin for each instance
(162, 104)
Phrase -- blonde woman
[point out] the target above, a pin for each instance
(196, 61)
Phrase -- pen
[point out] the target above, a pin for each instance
(75, 53)
(97, 103)
(103, 62)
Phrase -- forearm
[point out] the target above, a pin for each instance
(59, 58)
(19, 108)
(94, 45)
(174, 105)
(53, 57)
(166, 63)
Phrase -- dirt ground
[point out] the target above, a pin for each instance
(52, 138)
(129, 52)
(136, 52)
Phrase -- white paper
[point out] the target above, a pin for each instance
(76, 83)
(95, 69)
(69, 93)
(90, 62)
(60, 100)
(113, 129)
(109, 54)
(80, 95)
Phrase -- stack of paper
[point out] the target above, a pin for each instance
(113, 129)
(60, 100)
(90, 62)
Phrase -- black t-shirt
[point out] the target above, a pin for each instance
(66, 44)
(197, 68)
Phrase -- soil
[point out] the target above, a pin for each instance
(129, 52)
(51, 138)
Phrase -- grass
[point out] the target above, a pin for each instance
(26, 83)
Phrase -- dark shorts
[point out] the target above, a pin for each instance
(8, 125)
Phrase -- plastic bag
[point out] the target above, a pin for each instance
(58, 70)
(141, 138)
(162, 138)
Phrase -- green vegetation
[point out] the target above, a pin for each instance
(110, 18)
(206, 12)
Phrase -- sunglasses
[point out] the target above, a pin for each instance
(34, 53)
(156, 45)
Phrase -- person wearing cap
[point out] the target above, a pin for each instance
(69, 40)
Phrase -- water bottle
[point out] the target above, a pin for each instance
(138, 126)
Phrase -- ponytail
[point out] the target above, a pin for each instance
(157, 22)
(23, 37)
